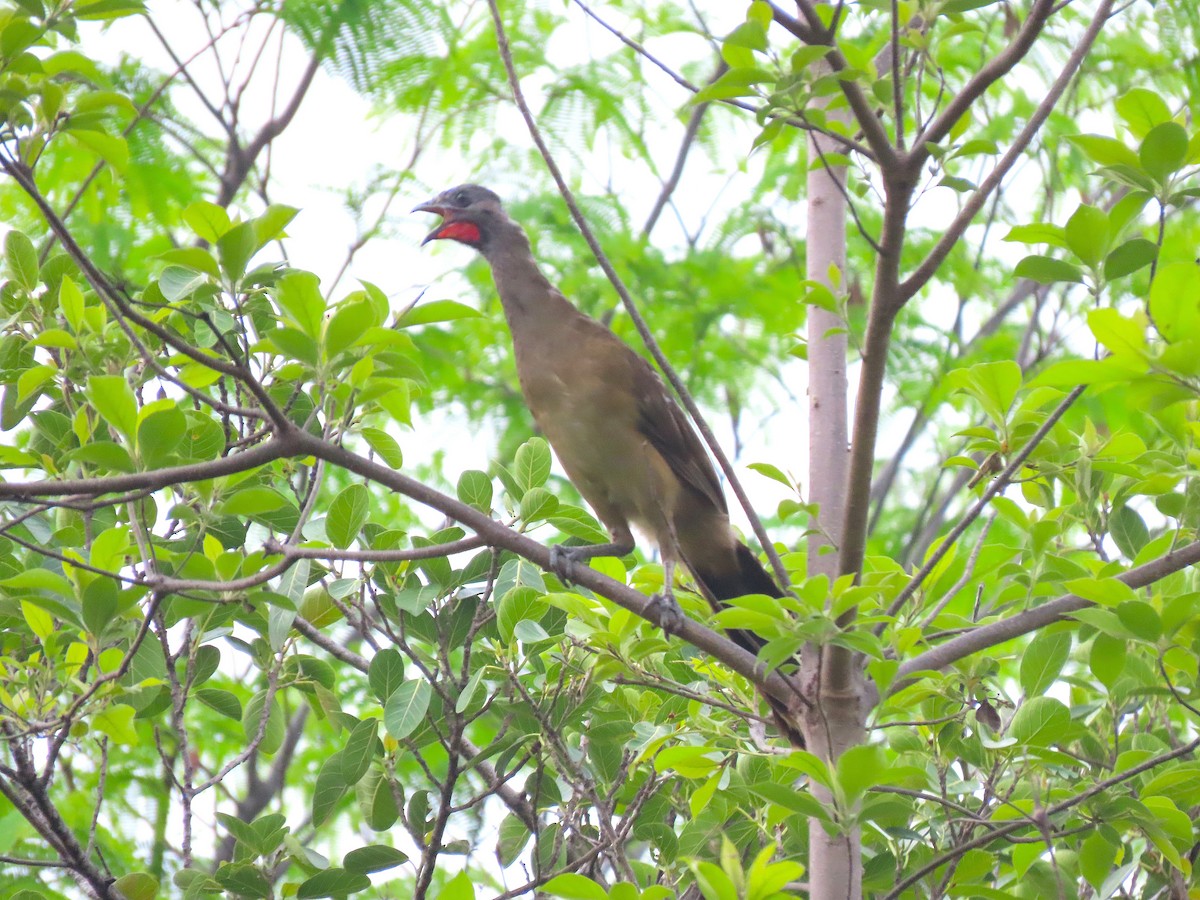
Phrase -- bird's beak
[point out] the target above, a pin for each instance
(432, 206)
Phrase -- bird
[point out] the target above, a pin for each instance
(619, 435)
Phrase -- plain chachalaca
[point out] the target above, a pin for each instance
(622, 439)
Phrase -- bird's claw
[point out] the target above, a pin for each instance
(666, 610)
(562, 563)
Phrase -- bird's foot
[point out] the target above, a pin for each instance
(666, 611)
(563, 562)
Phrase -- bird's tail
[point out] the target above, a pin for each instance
(747, 577)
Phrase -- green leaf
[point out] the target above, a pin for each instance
(1107, 659)
(574, 887)
(1048, 270)
(1141, 619)
(21, 259)
(386, 673)
(299, 297)
(1129, 531)
(1175, 301)
(55, 337)
(234, 250)
(750, 34)
(577, 523)
(116, 721)
(29, 381)
(406, 708)
(271, 224)
(137, 886)
(1096, 858)
(252, 501)
(328, 789)
(531, 466)
(223, 702)
(103, 10)
(194, 258)
(1037, 233)
(517, 605)
(1043, 660)
(1129, 257)
(244, 879)
(1164, 150)
(384, 445)
(373, 858)
(295, 344)
(39, 579)
(99, 605)
(109, 147)
(160, 435)
(737, 82)
(1121, 335)
(859, 769)
(178, 283)
(70, 301)
(513, 838)
(436, 311)
(376, 802)
(40, 622)
(252, 719)
(1106, 151)
(468, 692)
(994, 385)
(1040, 721)
(772, 472)
(347, 326)
(347, 514)
(113, 399)
(475, 489)
(1142, 110)
(1103, 591)
(537, 504)
(207, 220)
(1087, 234)
(359, 750)
(460, 887)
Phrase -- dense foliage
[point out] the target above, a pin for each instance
(250, 649)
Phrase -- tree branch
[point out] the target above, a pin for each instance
(276, 448)
(954, 231)
(497, 534)
(1015, 826)
(985, 636)
(689, 137)
(995, 69)
(997, 485)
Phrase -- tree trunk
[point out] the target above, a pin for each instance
(835, 720)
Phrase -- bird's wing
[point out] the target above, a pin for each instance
(668, 430)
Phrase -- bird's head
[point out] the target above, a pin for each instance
(470, 215)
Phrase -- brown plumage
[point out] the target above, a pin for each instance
(622, 439)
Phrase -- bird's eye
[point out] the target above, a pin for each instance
(462, 198)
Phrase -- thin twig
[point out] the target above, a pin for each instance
(999, 484)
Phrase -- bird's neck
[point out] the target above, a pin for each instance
(526, 294)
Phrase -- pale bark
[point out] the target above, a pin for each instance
(835, 720)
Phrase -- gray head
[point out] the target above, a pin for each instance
(471, 214)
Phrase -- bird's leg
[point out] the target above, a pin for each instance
(663, 606)
(564, 559)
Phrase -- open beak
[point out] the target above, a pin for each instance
(432, 206)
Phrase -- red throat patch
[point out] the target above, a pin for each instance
(466, 232)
